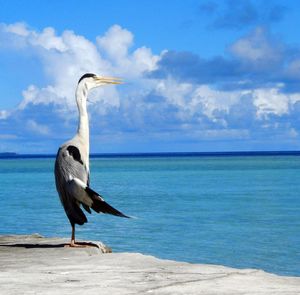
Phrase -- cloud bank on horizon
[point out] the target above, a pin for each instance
(247, 98)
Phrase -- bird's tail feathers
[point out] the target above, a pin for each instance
(99, 205)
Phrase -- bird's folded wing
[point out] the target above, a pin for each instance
(90, 199)
(99, 205)
(76, 189)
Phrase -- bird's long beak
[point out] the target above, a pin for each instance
(108, 80)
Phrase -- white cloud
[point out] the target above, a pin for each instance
(271, 101)
(37, 128)
(176, 93)
(204, 100)
(200, 100)
(48, 40)
(19, 29)
(34, 95)
(177, 105)
(116, 42)
(212, 101)
(67, 56)
(4, 114)
(257, 47)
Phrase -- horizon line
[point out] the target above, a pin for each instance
(157, 154)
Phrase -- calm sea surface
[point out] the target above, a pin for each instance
(240, 211)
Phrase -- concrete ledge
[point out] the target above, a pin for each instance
(37, 265)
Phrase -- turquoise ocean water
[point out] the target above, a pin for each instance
(239, 211)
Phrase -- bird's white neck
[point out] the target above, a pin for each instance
(83, 124)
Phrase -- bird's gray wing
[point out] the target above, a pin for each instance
(91, 199)
(69, 169)
(72, 185)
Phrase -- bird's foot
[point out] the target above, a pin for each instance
(82, 245)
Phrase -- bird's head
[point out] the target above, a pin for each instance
(91, 81)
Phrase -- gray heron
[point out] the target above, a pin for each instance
(72, 173)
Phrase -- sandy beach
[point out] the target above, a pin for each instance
(37, 265)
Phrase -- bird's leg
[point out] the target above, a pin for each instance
(80, 244)
(72, 244)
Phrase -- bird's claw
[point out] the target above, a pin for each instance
(82, 245)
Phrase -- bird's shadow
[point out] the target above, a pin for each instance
(60, 245)
(34, 246)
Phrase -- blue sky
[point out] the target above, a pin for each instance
(201, 75)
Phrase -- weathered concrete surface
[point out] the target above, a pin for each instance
(36, 265)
